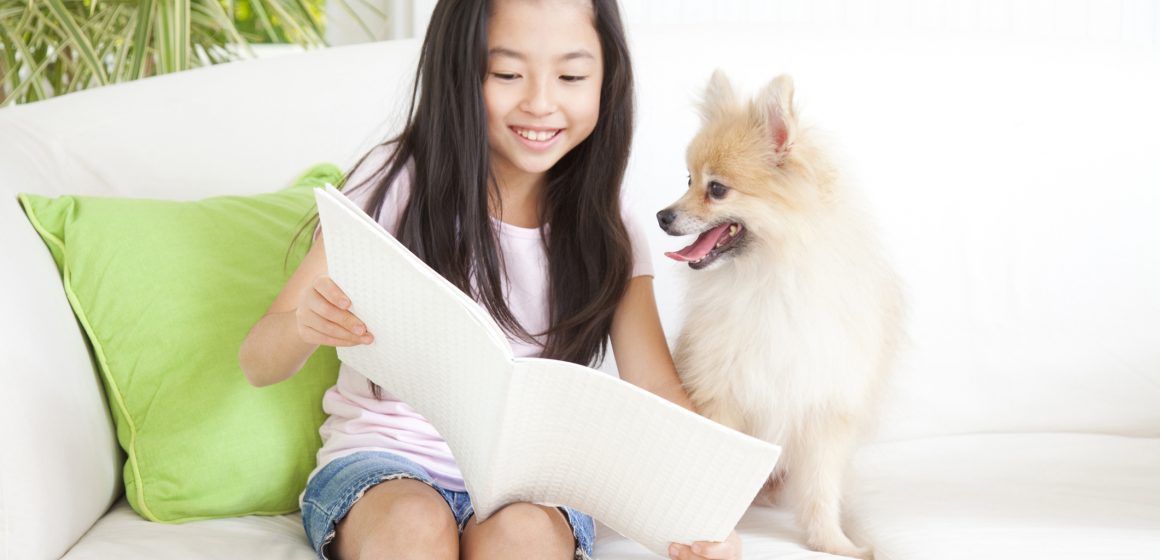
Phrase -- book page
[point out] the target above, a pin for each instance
(434, 347)
(535, 430)
(653, 471)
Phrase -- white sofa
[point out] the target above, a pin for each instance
(1017, 187)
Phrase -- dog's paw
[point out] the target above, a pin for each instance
(863, 552)
(846, 548)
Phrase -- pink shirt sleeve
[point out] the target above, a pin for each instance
(359, 193)
(397, 196)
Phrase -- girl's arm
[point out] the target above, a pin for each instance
(638, 342)
(311, 310)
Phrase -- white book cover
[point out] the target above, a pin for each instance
(534, 430)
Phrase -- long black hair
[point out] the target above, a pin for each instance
(447, 222)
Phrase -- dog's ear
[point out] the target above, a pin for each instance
(773, 108)
(718, 98)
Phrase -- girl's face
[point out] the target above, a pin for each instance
(542, 89)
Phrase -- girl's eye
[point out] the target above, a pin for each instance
(690, 180)
(573, 78)
(717, 190)
(504, 76)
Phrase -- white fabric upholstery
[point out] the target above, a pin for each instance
(123, 534)
(1011, 496)
(994, 496)
(1017, 187)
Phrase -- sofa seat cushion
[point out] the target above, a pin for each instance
(1017, 496)
(766, 533)
(122, 534)
(994, 496)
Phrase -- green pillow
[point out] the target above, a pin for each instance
(166, 291)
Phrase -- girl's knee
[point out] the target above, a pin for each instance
(521, 529)
(398, 522)
(421, 513)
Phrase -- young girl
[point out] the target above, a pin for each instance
(506, 180)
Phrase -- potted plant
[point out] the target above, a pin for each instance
(53, 47)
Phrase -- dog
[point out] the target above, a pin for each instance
(794, 316)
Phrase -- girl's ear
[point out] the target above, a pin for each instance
(718, 98)
(773, 108)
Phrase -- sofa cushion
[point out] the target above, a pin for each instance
(123, 535)
(766, 533)
(1009, 496)
(166, 292)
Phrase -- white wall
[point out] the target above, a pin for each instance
(385, 19)
(1130, 21)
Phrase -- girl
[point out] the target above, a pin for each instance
(506, 180)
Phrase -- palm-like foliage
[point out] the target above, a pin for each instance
(52, 47)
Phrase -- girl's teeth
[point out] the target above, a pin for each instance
(534, 136)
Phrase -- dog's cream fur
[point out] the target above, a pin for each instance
(790, 335)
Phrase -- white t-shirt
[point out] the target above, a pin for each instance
(357, 421)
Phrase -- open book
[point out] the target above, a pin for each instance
(534, 430)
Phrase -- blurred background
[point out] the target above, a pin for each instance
(53, 47)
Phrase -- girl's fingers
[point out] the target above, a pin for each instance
(329, 290)
(316, 337)
(715, 550)
(328, 330)
(705, 550)
(679, 551)
(332, 331)
(345, 319)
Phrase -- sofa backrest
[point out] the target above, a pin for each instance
(239, 128)
(1016, 188)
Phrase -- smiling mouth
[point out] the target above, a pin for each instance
(536, 135)
(710, 245)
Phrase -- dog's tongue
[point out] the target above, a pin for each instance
(701, 246)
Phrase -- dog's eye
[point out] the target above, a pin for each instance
(717, 190)
(690, 180)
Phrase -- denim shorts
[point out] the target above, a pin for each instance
(332, 491)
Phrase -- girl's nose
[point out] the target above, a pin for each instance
(538, 100)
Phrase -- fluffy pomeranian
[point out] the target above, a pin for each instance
(793, 315)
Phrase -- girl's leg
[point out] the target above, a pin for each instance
(400, 518)
(520, 530)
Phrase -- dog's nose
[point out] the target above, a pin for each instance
(665, 218)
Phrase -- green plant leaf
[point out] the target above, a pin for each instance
(181, 44)
(350, 11)
(32, 83)
(173, 36)
(79, 39)
(263, 19)
(120, 69)
(140, 48)
(301, 33)
(346, 7)
(224, 21)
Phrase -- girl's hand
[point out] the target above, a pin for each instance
(323, 318)
(729, 549)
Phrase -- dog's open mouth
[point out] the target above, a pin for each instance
(711, 244)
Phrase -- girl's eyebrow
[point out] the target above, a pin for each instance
(502, 51)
